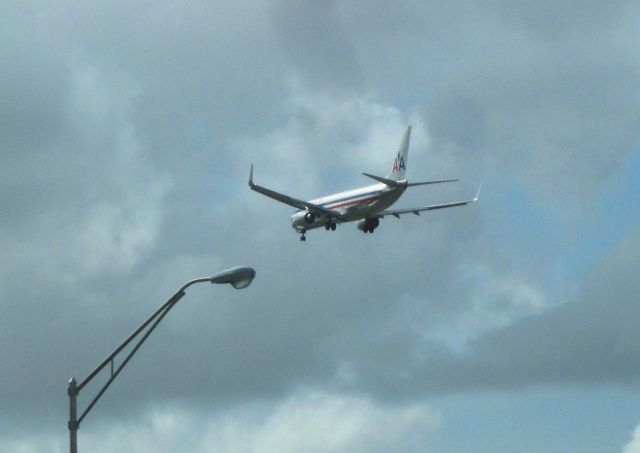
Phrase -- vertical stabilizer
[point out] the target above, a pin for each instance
(398, 172)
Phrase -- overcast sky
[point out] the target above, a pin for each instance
(126, 134)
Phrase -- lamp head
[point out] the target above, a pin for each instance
(239, 277)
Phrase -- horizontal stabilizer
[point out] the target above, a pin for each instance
(424, 183)
(389, 182)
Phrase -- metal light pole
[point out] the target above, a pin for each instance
(238, 277)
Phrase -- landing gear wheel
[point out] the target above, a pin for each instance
(303, 238)
(327, 226)
(333, 227)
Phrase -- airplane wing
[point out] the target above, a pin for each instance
(295, 202)
(398, 212)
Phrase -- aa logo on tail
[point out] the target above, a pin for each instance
(398, 164)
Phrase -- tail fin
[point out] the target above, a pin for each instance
(398, 172)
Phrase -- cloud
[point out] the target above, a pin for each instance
(340, 135)
(127, 136)
(318, 44)
(120, 224)
(310, 421)
(535, 92)
(634, 445)
(584, 342)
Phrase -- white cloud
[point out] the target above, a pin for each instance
(338, 136)
(495, 301)
(43, 443)
(125, 218)
(312, 422)
(634, 445)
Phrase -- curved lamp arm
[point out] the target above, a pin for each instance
(239, 277)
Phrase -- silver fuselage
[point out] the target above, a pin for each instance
(355, 204)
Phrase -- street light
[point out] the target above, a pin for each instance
(239, 277)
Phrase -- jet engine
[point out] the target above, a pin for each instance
(368, 225)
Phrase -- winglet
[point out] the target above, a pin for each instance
(251, 176)
(477, 197)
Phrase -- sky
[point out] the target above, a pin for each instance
(127, 130)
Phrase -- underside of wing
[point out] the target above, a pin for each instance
(398, 212)
(295, 202)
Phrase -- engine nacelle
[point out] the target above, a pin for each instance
(309, 217)
(368, 225)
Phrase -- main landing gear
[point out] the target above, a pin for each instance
(368, 225)
(330, 225)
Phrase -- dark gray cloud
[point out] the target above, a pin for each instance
(589, 340)
(318, 43)
(542, 93)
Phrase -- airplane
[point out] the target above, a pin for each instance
(366, 205)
